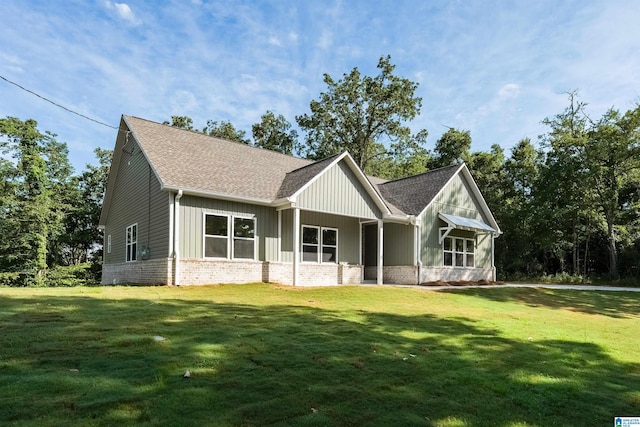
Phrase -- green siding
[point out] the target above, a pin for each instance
(137, 198)
(338, 191)
(456, 198)
(398, 244)
(191, 217)
(348, 234)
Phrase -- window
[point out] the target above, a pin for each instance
(109, 244)
(458, 252)
(216, 235)
(244, 237)
(319, 244)
(132, 242)
(219, 239)
(310, 243)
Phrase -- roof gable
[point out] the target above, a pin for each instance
(413, 194)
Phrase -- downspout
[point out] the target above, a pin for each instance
(418, 252)
(493, 260)
(176, 239)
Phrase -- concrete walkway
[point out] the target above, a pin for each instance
(527, 285)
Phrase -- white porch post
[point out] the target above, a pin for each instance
(296, 245)
(380, 252)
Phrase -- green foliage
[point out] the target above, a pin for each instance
(225, 130)
(452, 148)
(275, 133)
(365, 116)
(72, 275)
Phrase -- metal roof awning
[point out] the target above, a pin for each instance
(463, 223)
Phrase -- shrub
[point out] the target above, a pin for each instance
(72, 275)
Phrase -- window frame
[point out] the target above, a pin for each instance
(131, 246)
(109, 243)
(456, 253)
(230, 237)
(320, 245)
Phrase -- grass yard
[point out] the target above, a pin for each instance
(269, 355)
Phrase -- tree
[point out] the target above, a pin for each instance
(612, 156)
(452, 147)
(30, 214)
(182, 122)
(225, 130)
(275, 133)
(363, 115)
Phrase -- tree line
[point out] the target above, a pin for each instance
(567, 204)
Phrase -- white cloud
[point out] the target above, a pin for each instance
(123, 11)
(510, 90)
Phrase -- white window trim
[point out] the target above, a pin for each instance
(134, 254)
(230, 237)
(454, 252)
(109, 243)
(320, 243)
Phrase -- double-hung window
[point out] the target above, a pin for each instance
(458, 252)
(229, 237)
(132, 243)
(319, 244)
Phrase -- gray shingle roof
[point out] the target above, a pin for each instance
(196, 162)
(190, 160)
(412, 194)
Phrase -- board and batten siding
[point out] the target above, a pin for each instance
(137, 199)
(348, 234)
(456, 198)
(338, 191)
(399, 246)
(191, 219)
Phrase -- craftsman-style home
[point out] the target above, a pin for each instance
(183, 208)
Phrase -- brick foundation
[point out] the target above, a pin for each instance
(151, 272)
(453, 274)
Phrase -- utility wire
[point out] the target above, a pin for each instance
(56, 104)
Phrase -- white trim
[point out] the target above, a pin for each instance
(296, 245)
(465, 252)
(134, 254)
(109, 243)
(176, 236)
(230, 238)
(171, 209)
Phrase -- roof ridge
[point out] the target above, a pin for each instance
(457, 165)
(196, 132)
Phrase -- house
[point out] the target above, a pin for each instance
(185, 208)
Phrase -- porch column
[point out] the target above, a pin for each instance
(296, 245)
(380, 252)
(493, 256)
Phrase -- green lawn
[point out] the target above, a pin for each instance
(268, 355)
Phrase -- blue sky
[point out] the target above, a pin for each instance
(495, 68)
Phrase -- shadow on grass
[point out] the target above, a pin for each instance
(611, 304)
(85, 361)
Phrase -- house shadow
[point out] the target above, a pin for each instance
(121, 362)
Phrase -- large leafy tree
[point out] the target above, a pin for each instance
(28, 214)
(275, 133)
(452, 147)
(612, 157)
(363, 115)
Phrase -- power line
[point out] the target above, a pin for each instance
(56, 104)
